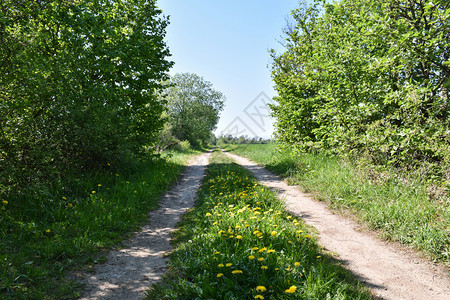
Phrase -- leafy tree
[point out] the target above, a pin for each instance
(193, 108)
(78, 82)
(367, 77)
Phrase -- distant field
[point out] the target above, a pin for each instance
(400, 211)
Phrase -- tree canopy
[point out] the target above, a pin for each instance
(78, 83)
(193, 108)
(367, 77)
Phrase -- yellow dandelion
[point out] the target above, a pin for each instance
(264, 267)
(99, 184)
(239, 237)
(307, 236)
(270, 251)
(220, 265)
(5, 202)
(219, 275)
(297, 264)
(318, 256)
(217, 252)
(259, 297)
(236, 272)
(207, 215)
(251, 257)
(70, 205)
(262, 250)
(48, 230)
(64, 198)
(93, 192)
(273, 233)
(229, 264)
(261, 288)
(261, 259)
(291, 290)
(255, 248)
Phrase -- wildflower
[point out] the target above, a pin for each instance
(239, 237)
(208, 215)
(221, 232)
(270, 251)
(261, 259)
(64, 198)
(262, 250)
(70, 205)
(219, 275)
(93, 192)
(220, 265)
(297, 264)
(307, 236)
(318, 256)
(299, 231)
(215, 223)
(135, 191)
(215, 258)
(261, 288)
(99, 184)
(229, 264)
(48, 230)
(255, 248)
(236, 272)
(217, 252)
(259, 297)
(5, 202)
(264, 267)
(273, 233)
(251, 257)
(291, 290)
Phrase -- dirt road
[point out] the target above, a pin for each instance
(389, 270)
(128, 272)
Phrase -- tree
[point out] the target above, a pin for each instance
(78, 83)
(193, 108)
(367, 77)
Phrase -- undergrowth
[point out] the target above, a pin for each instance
(57, 230)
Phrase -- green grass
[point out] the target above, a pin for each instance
(56, 231)
(239, 243)
(401, 210)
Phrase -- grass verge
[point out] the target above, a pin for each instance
(47, 234)
(400, 210)
(239, 243)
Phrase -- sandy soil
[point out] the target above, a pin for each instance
(389, 270)
(128, 272)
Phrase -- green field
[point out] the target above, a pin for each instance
(400, 210)
(239, 243)
(68, 227)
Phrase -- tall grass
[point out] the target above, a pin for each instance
(401, 210)
(239, 243)
(63, 228)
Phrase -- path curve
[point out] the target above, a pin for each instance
(388, 270)
(129, 272)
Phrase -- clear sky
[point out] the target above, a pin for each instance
(227, 43)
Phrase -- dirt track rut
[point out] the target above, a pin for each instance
(128, 272)
(389, 270)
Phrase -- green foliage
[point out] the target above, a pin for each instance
(193, 108)
(368, 77)
(67, 228)
(238, 243)
(78, 82)
(400, 209)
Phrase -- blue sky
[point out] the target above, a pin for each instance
(227, 43)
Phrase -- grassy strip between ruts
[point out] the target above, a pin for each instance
(401, 210)
(239, 243)
(45, 237)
